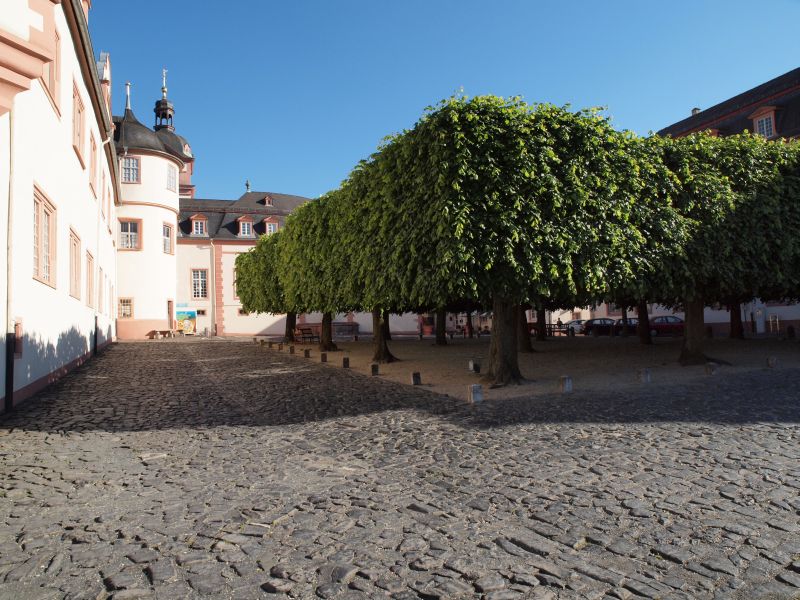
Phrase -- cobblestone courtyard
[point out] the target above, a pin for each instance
(220, 469)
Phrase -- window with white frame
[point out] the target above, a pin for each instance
(74, 265)
(272, 228)
(44, 239)
(245, 228)
(89, 279)
(130, 169)
(166, 232)
(764, 126)
(129, 235)
(172, 178)
(199, 227)
(199, 283)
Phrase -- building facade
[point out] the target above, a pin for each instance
(59, 190)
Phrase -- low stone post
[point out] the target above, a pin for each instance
(416, 378)
(475, 393)
(255, 340)
(345, 362)
(323, 357)
(474, 366)
(270, 345)
(291, 349)
(280, 347)
(712, 368)
(375, 369)
(772, 362)
(565, 384)
(645, 376)
(306, 353)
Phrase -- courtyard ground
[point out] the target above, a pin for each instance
(220, 469)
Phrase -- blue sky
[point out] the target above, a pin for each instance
(293, 94)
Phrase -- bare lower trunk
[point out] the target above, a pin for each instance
(468, 326)
(381, 348)
(326, 338)
(291, 323)
(523, 333)
(541, 326)
(692, 352)
(503, 361)
(387, 333)
(441, 327)
(737, 327)
(644, 323)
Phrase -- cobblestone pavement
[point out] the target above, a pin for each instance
(220, 469)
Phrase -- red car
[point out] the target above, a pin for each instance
(668, 325)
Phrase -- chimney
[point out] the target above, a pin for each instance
(695, 111)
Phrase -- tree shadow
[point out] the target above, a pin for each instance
(163, 385)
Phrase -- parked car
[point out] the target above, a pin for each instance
(619, 327)
(668, 325)
(573, 327)
(595, 327)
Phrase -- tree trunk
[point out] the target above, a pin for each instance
(468, 325)
(523, 333)
(692, 352)
(326, 337)
(441, 327)
(291, 323)
(737, 327)
(387, 334)
(503, 360)
(381, 354)
(644, 323)
(541, 326)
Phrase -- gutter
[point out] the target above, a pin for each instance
(10, 325)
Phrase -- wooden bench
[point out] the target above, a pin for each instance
(305, 335)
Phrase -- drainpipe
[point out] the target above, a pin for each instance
(213, 296)
(9, 392)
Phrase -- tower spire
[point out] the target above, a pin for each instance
(127, 95)
(164, 109)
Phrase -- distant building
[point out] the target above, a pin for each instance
(771, 109)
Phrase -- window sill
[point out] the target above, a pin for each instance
(50, 284)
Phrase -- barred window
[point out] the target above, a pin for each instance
(130, 169)
(199, 283)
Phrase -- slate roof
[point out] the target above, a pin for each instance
(222, 215)
(731, 116)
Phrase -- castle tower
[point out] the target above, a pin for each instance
(151, 161)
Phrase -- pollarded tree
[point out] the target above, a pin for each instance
(313, 266)
(738, 201)
(258, 285)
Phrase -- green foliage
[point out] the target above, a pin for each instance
(257, 281)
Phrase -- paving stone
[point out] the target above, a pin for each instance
(308, 481)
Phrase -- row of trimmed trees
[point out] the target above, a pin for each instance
(494, 203)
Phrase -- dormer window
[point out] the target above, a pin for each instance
(199, 225)
(267, 200)
(272, 228)
(764, 126)
(245, 227)
(764, 123)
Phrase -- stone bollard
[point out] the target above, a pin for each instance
(712, 368)
(291, 349)
(375, 367)
(323, 357)
(645, 376)
(270, 345)
(475, 393)
(565, 384)
(280, 347)
(255, 340)
(772, 362)
(345, 362)
(416, 378)
(262, 343)
(306, 353)
(474, 366)
(790, 333)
